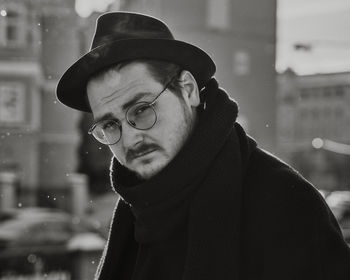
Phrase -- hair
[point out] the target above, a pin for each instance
(165, 72)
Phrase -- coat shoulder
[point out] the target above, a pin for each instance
(273, 176)
(287, 218)
(281, 190)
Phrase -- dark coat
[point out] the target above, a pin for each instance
(287, 230)
(222, 209)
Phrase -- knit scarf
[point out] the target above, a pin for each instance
(199, 190)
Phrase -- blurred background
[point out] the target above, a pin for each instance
(285, 63)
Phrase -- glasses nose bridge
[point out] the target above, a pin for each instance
(129, 134)
(124, 125)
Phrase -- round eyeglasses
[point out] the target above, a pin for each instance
(140, 115)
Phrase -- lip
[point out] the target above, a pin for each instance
(144, 153)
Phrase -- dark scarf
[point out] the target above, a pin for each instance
(199, 190)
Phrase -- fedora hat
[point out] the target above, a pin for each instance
(124, 36)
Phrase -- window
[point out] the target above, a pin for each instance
(339, 113)
(339, 91)
(12, 26)
(12, 103)
(241, 63)
(218, 14)
(304, 94)
(315, 114)
(327, 92)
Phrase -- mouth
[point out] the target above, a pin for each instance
(140, 153)
(143, 153)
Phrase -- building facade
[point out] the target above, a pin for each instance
(311, 108)
(39, 144)
(38, 136)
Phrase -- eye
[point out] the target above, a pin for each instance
(140, 109)
(110, 126)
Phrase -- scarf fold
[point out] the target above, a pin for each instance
(200, 189)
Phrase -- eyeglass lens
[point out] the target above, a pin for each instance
(140, 116)
(107, 132)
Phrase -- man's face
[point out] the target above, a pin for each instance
(145, 152)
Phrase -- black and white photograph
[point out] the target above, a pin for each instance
(174, 140)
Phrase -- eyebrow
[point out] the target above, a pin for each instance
(134, 100)
(125, 106)
(107, 116)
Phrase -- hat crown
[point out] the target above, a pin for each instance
(117, 26)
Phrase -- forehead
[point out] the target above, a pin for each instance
(115, 86)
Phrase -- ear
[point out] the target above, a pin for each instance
(190, 90)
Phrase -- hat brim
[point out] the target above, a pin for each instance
(71, 88)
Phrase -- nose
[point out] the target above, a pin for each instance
(131, 136)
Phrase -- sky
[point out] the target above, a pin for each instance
(85, 7)
(321, 26)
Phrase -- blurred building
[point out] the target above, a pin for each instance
(38, 136)
(312, 107)
(240, 35)
(39, 243)
(39, 141)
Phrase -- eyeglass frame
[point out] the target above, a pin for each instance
(119, 122)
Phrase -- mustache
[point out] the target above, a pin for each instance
(142, 149)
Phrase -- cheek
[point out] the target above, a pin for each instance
(171, 127)
(166, 126)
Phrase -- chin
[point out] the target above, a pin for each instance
(148, 169)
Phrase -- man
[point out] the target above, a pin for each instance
(199, 199)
